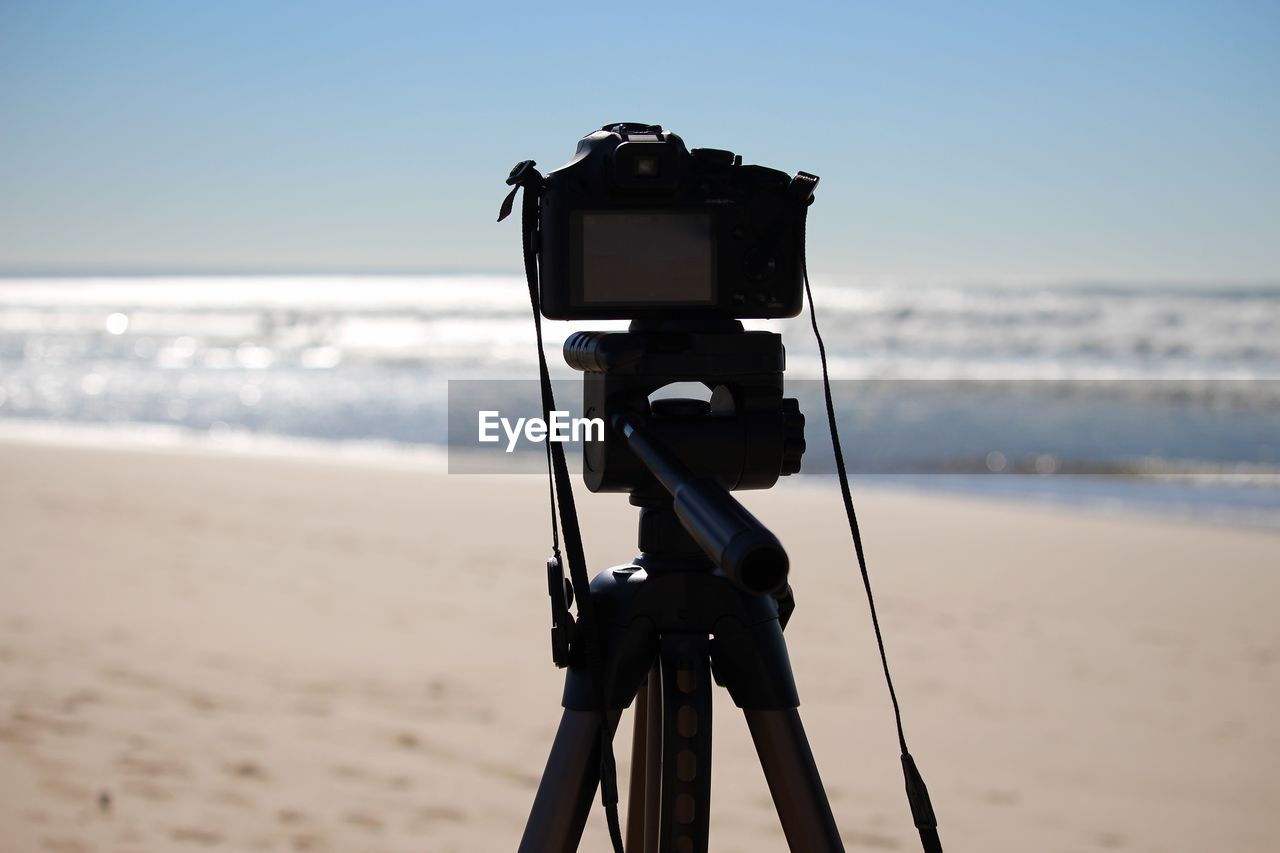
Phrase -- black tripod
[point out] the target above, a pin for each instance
(706, 597)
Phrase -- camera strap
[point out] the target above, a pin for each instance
(525, 176)
(917, 794)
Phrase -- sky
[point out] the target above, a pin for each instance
(1084, 141)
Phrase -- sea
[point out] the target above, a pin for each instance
(1151, 399)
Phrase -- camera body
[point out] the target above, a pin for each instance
(636, 225)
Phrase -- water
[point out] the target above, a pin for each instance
(1172, 393)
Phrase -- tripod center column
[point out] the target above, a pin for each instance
(686, 743)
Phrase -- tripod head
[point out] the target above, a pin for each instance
(685, 455)
(745, 437)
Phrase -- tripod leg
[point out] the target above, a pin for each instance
(639, 766)
(653, 764)
(646, 768)
(793, 780)
(568, 784)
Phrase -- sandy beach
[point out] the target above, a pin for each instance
(200, 649)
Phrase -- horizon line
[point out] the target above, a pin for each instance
(864, 279)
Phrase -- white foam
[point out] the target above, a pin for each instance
(165, 437)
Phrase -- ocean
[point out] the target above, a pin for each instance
(1142, 398)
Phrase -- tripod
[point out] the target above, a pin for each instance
(706, 598)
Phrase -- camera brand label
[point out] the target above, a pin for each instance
(562, 427)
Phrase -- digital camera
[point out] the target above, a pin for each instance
(637, 225)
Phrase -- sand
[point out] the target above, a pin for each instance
(207, 650)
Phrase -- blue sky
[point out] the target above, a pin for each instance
(959, 141)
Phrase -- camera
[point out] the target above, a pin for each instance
(637, 225)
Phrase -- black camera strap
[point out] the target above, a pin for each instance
(917, 794)
(525, 176)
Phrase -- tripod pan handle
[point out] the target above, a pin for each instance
(733, 538)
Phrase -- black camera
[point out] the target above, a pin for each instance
(637, 225)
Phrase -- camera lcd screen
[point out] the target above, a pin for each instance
(647, 257)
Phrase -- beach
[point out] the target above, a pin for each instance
(207, 649)
(278, 362)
